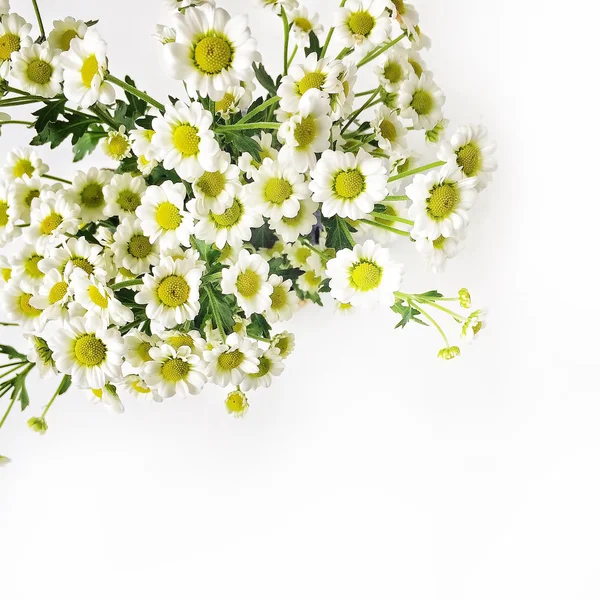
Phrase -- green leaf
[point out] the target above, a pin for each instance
(137, 106)
(259, 327)
(264, 78)
(339, 233)
(20, 390)
(408, 313)
(88, 142)
(56, 132)
(215, 307)
(65, 384)
(127, 165)
(431, 294)
(48, 113)
(263, 237)
(210, 255)
(92, 23)
(239, 143)
(11, 352)
(314, 45)
(145, 122)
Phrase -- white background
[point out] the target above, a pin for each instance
(370, 469)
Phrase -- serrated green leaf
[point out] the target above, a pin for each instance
(259, 327)
(137, 106)
(65, 384)
(11, 352)
(264, 78)
(431, 294)
(339, 233)
(314, 44)
(48, 113)
(238, 143)
(56, 132)
(263, 237)
(88, 142)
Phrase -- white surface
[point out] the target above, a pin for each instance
(370, 469)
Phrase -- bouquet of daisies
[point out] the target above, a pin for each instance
(228, 207)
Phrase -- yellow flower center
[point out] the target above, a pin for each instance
(312, 279)
(142, 351)
(138, 386)
(439, 242)
(3, 213)
(91, 195)
(213, 54)
(230, 217)
(392, 71)
(361, 23)
(128, 200)
(9, 43)
(173, 291)
(83, 263)
(175, 369)
(182, 339)
(168, 216)
(442, 201)
(264, 366)
(277, 191)
(230, 360)
(302, 254)
(283, 343)
(66, 38)
(306, 131)
(248, 283)
(98, 392)
(89, 70)
(469, 158)
(224, 103)
(349, 184)
(278, 297)
(211, 184)
(236, 402)
(6, 273)
(422, 102)
(39, 71)
(303, 24)
(31, 196)
(58, 291)
(23, 167)
(31, 266)
(311, 80)
(97, 297)
(26, 308)
(118, 146)
(365, 276)
(417, 68)
(89, 350)
(388, 130)
(186, 140)
(50, 223)
(139, 246)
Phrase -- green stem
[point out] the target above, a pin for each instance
(15, 90)
(133, 90)
(386, 227)
(375, 53)
(124, 284)
(357, 112)
(431, 319)
(453, 314)
(316, 250)
(13, 364)
(59, 179)
(329, 35)
(39, 19)
(366, 93)
(10, 371)
(63, 380)
(392, 218)
(286, 39)
(244, 126)
(432, 165)
(396, 198)
(291, 59)
(3, 324)
(12, 402)
(257, 337)
(28, 123)
(258, 109)
(105, 117)
(215, 311)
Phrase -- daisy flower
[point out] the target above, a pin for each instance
(123, 195)
(90, 353)
(441, 200)
(302, 23)
(40, 354)
(141, 141)
(212, 51)
(349, 185)
(26, 264)
(405, 14)
(137, 347)
(132, 248)
(163, 217)
(364, 276)
(37, 70)
(135, 385)
(53, 296)
(15, 301)
(117, 145)
(236, 403)
(229, 362)
(297, 254)
(60, 38)
(171, 293)
(22, 194)
(421, 101)
(389, 132)
(247, 281)
(236, 99)
(23, 161)
(290, 229)
(76, 253)
(277, 191)
(8, 231)
(109, 397)
(341, 103)
(177, 339)
(322, 75)
(394, 69)
(284, 342)
(184, 140)
(87, 192)
(269, 365)
(14, 36)
(436, 252)
(363, 24)
(312, 278)
(306, 133)
(146, 164)
(215, 190)
(52, 219)
(284, 300)
(470, 149)
(85, 66)
(174, 372)
(164, 34)
(247, 163)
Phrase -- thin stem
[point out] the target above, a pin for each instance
(59, 179)
(329, 35)
(432, 165)
(257, 337)
(12, 402)
(105, 117)
(259, 109)
(392, 218)
(39, 18)
(133, 90)
(10, 371)
(15, 90)
(13, 364)
(124, 284)
(286, 39)
(62, 382)
(357, 112)
(396, 198)
(3, 324)
(446, 310)
(366, 93)
(244, 126)
(375, 53)
(316, 250)
(28, 123)
(386, 227)
(431, 319)
(291, 59)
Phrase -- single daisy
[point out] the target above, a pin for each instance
(394, 69)
(117, 145)
(76, 253)
(14, 36)
(53, 297)
(26, 264)
(109, 396)
(215, 190)
(228, 363)
(164, 34)
(349, 185)
(405, 14)
(212, 51)
(123, 195)
(363, 24)
(163, 216)
(365, 275)
(314, 273)
(421, 101)
(146, 164)
(135, 385)
(389, 132)
(236, 403)
(137, 347)
(284, 300)
(177, 339)
(22, 194)
(236, 99)
(132, 248)
(87, 192)
(15, 299)
(284, 342)
(298, 254)
(23, 161)
(436, 252)
(63, 33)
(290, 229)
(141, 141)
(302, 24)
(37, 70)
(184, 140)
(269, 365)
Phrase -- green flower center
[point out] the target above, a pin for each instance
(173, 291)
(89, 350)
(303, 24)
(186, 140)
(469, 158)
(89, 70)
(361, 23)
(50, 223)
(349, 184)
(230, 217)
(31, 266)
(278, 297)
(442, 201)
(66, 38)
(143, 351)
(306, 131)
(388, 130)
(91, 195)
(3, 213)
(31, 197)
(211, 184)
(9, 43)
(213, 54)
(182, 339)
(23, 167)
(97, 297)
(39, 71)
(128, 200)
(302, 254)
(438, 243)
(283, 343)
(310, 81)
(175, 369)
(392, 71)
(248, 283)
(26, 308)
(230, 360)
(168, 216)
(139, 246)
(312, 279)
(365, 276)
(118, 146)
(58, 291)
(417, 68)
(264, 366)
(6, 274)
(422, 102)
(277, 191)
(224, 103)
(83, 263)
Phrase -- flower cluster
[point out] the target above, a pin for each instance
(224, 210)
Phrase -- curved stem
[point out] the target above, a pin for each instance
(316, 250)
(3, 324)
(243, 126)
(430, 319)
(432, 165)
(392, 218)
(124, 284)
(386, 227)
(453, 314)
(291, 59)
(59, 179)
(357, 112)
(286, 39)
(39, 19)
(329, 35)
(12, 402)
(28, 123)
(133, 90)
(377, 52)
(62, 382)
(105, 117)
(259, 109)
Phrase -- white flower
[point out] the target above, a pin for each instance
(421, 101)
(52, 219)
(171, 293)
(23, 161)
(228, 363)
(269, 365)
(312, 278)
(37, 70)
(306, 133)
(394, 69)
(141, 141)
(26, 264)
(436, 252)
(473, 325)
(247, 280)
(184, 140)
(8, 230)
(290, 229)
(5, 271)
(349, 185)
(117, 145)
(14, 36)
(212, 51)
(85, 67)
(89, 352)
(63, 33)
(40, 354)
(471, 151)
(87, 192)
(76, 253)
(284, 342)
(177, 339)
(302, 23)
(236, 403)
(22, 194)
(109, 397)
(163, 216)
(53, 297)
(320, 75)
(389, 132)
(123, 195)
(174, 372)
(164, 34)
(284, 300)
(98, 299)
(15, 300)
(137, 347)
(277, 5)
(135, 385)
(236, 98)
(215, 190)
(146, 165)
(405, 14)
(364, 276)
(277, 191)
(132, 247)
(247, 163)
(441, 200)
(342, 102)
(363, 24)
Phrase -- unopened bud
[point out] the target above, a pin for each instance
(465, 298)
(38, 425)
(449, 353)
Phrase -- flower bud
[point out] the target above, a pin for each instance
(236, 403)
(4, 460)
(449, 353)
(465, 298)
(38, 425)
